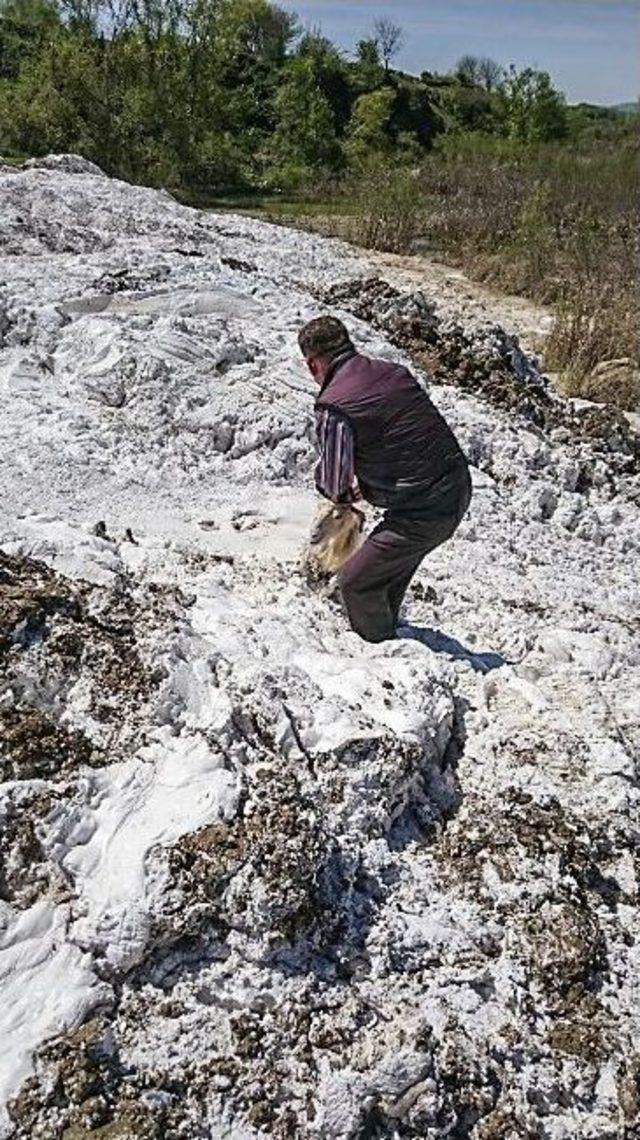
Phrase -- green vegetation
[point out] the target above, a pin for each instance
(487, 165)
(209, 96)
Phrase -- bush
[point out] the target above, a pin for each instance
(597, 326)
(385, 213)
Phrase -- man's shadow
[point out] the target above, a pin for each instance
(439, 642)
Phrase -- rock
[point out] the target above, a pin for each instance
(65, 163)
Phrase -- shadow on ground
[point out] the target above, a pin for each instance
(440, 642)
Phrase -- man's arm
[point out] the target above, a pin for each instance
(335, 471)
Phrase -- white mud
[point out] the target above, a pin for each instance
(258, 878)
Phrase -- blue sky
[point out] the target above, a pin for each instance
(590, 47)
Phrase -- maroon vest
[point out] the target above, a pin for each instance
(403, 446)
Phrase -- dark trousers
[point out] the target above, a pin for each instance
(374, 581)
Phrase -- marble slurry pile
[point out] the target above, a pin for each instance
(257, 878)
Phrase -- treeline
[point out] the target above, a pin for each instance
(217, 95)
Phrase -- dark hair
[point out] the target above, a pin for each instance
(324, 336)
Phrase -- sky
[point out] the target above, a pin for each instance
(591, 48)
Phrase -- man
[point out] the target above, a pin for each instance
(380, 436)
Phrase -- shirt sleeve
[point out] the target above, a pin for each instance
(335, 472)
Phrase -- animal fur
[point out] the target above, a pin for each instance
(336, 535)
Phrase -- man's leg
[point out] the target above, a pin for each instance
(365, 580)
(434, 532)
(374, 581)
(399, 587)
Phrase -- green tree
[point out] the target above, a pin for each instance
(367, 70)
(534, 110)
(305, 139)
(370, 126)
(479, 71)
(216, 94)
(475, 109)
(415, 119)
(25, 26)
(55, 103)
(330, 74)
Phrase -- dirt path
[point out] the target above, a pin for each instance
(468, 300)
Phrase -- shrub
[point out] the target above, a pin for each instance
(386, 211)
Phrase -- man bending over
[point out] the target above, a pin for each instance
(380, 437)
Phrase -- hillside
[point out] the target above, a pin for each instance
(257, 877)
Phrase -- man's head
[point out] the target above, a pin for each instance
(321, 341)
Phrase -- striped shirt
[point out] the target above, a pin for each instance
(335, 471)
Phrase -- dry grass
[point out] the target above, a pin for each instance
(387, 213)
(561, 226)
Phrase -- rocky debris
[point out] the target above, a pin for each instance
(557, 934)
(75, 694)
(487, 362)
(31, 594)
(61, 641)
(33, 745)
(26, 873)
(287, 882)
(88, 1094)
(259, 874)
(372, 945)
(19, 323)
(239, 265)
(128, 279)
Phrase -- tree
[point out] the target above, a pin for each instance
(471, 108)
(235, 53)
(388, 36)
(24, 26)
(305, 137)
(368, 53)
(491, 73)
(263, 29)
(415, 119)
(479, 71)
(535, 111)
(368, 72)
(369, 128)
(330, 73)
(315, 45)
(57, 103)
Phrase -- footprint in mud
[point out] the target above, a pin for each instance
(251, 520)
